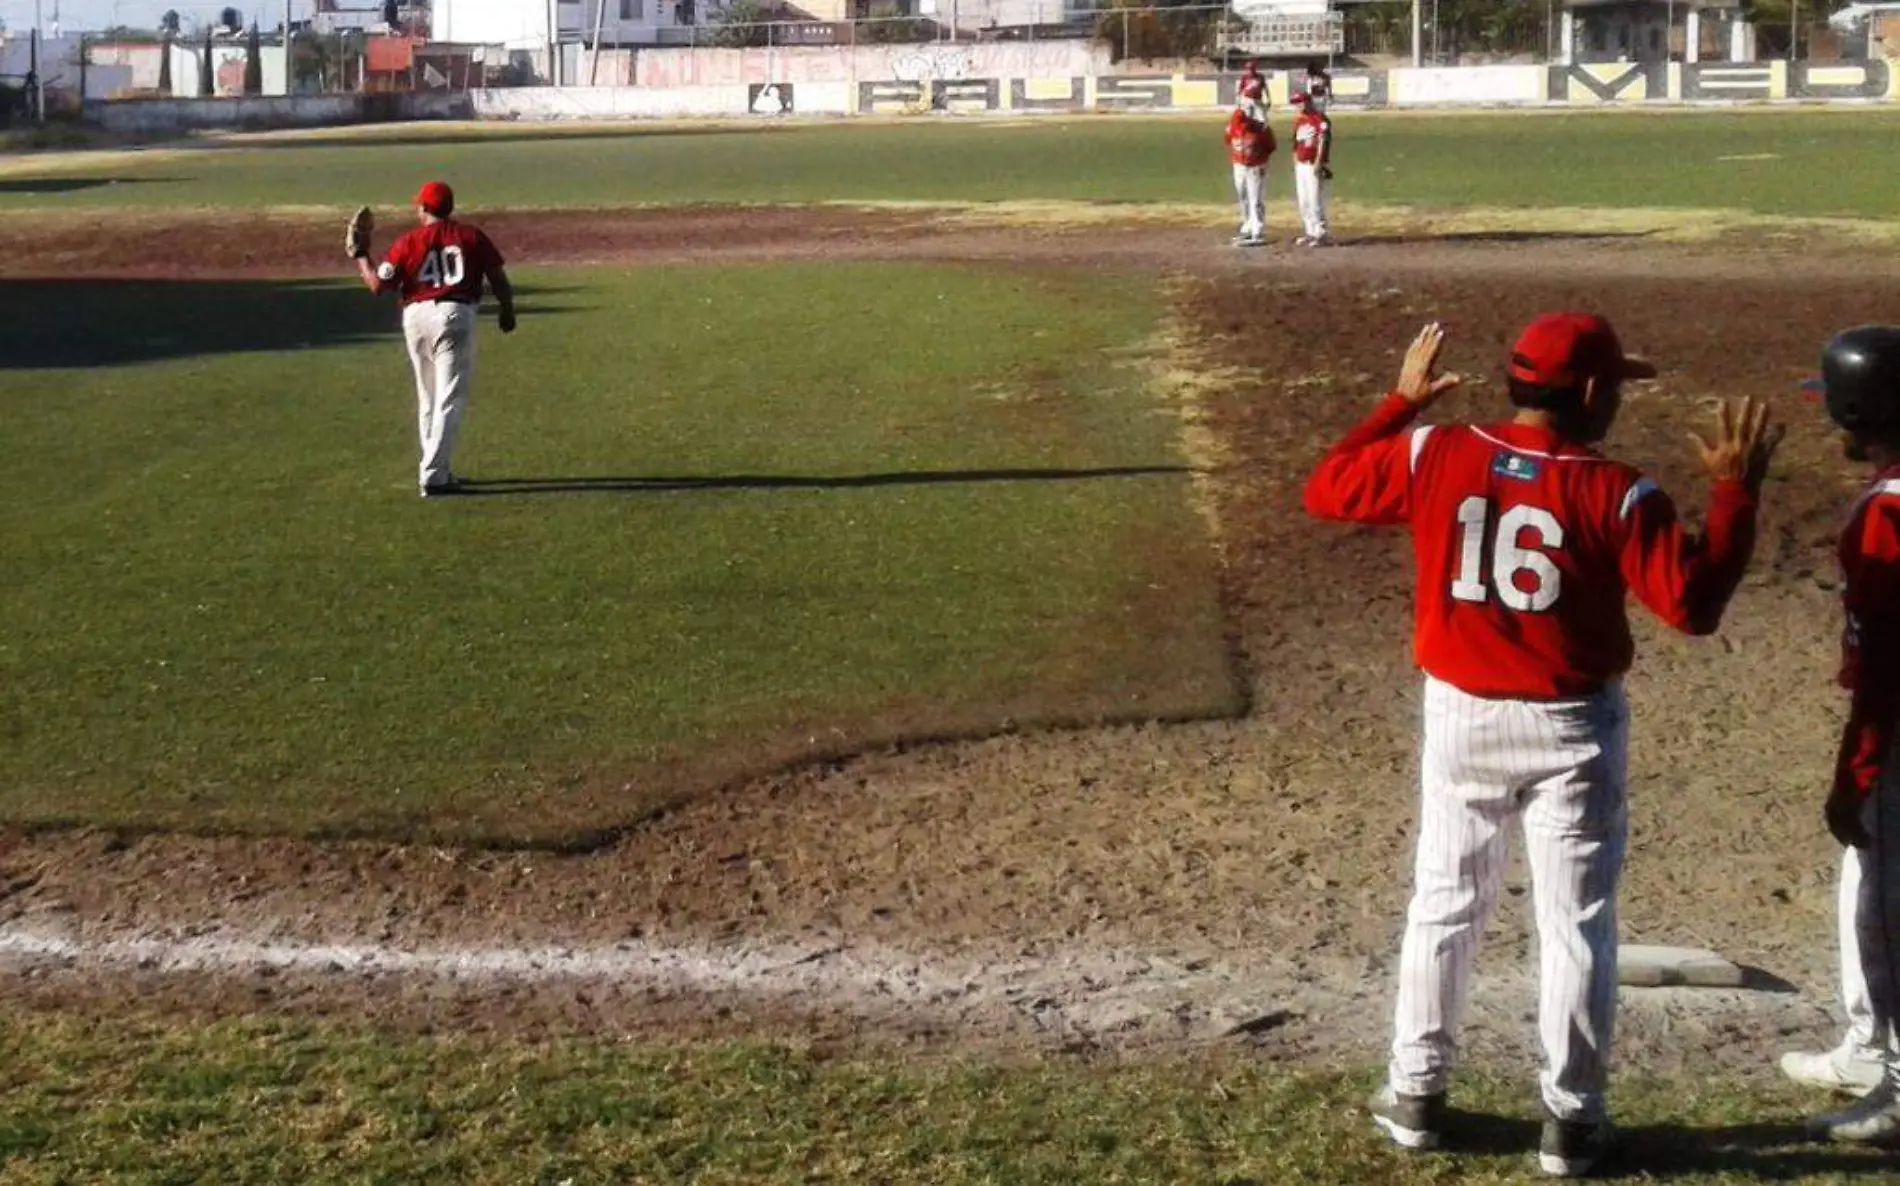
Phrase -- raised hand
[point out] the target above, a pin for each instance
(1417, 382)
(1744, 444)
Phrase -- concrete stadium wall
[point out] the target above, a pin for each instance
(632, 102)
(148, 116)
(849, 64)
(1596, 85)
(1468, 86)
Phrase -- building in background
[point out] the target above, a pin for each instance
(1655, 31)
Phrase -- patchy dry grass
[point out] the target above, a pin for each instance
(143, 1101)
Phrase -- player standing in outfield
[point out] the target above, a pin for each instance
(1860, 380)
(1312, 169)
(1250, 146)
(1526, 541)
(1318, 83)
(437, 270)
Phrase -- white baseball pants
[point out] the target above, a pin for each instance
(1877, 916)
(1250, 190)
(1309, 190)
(441, 340)
(1861, 1040)
(1559, 768)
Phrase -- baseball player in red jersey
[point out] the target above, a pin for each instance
(1526, 541)
(1312, 169)
(1860, 380)
(1250, 146)
(438, 270)
(1251, 74)
(1318, 84)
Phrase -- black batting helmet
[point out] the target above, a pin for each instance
(1860, 379)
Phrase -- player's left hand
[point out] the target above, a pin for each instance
(356, 234)
(1844, 818)
(1744, 443)
(1417, 381)
(1325, 172)
(507, 321)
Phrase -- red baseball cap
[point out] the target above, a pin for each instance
(1298, 98)
(436, 198)
(1564, 349)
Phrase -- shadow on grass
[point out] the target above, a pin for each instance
(69, 185)
(1765, 1152)
(1492, 237)
(489, 487)
(101, 322)
(1758, 1151)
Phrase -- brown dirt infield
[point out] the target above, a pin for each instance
(1128, 888)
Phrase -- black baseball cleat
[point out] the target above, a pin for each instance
(1414, 1122)
(1573, 1148)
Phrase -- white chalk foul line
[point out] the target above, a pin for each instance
(1067, 990)
(682, 967)
(1071, 987)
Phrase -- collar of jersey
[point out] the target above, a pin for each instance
(1535, 442)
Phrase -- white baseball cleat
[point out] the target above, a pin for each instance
(1845, 1068)
(1875, 1120)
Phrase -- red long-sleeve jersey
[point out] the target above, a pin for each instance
(1526, 546)
(1870, 642)
(1250, 141)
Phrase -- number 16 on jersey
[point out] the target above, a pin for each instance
(1522, 575)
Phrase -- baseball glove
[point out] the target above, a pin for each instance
(356, 238)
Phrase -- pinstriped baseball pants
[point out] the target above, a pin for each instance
(1560, 770)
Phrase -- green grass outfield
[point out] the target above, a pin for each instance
(1808, 162)
(735, 516)
(141, 1102)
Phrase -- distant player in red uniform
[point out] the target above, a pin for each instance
(1312, 169)
(1860, 380)
(1251, 74)
(1526, 541)
(438, 270)
(1250, 146)
(1318, 84)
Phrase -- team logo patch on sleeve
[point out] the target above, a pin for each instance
(1515, 466)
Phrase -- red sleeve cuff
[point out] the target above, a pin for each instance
(1732, 494)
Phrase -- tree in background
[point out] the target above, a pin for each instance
(1160, 29)
(168, 24)
(165, 64)
(887, 24)
(743, 24)
(206, 85)
(253, 64)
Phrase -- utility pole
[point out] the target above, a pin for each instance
(39, 72)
